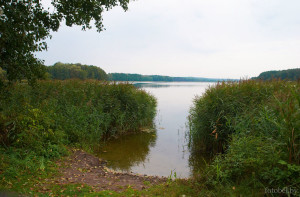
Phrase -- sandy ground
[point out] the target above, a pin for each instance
(83, 168)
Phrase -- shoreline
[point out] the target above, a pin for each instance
(83, 168)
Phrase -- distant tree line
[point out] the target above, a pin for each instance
(290, 74)
(138, 77)
(62, 71)
(25, 27)
(70, 71)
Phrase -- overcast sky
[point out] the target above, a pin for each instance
(200, 38)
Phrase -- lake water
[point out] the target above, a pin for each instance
(164, 150)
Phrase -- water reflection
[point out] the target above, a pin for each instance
(143, 85)
(127, 151)
(198, 161)
(165, 84)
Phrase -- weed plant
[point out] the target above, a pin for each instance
(37, 123)
(253, 128)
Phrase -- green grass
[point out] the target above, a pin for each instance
(22, 172)
(253, 128)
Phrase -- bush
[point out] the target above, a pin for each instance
(35, 131)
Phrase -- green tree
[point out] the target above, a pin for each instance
(75, 71)
(25, 24)
(289, 74)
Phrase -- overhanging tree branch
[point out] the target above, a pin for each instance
(25, 24)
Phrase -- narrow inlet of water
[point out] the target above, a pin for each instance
(165, 150)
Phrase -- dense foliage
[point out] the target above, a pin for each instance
(256, 126)
(2, 74)
(84, 111)
(25, 24)
(138, 77)
(36, 123)
(290, 74)
(75, 71)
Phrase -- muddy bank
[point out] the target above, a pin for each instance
(83, 168)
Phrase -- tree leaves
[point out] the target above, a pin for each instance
(24, 25)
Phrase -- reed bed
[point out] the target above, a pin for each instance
(253, 130)
(38, 123)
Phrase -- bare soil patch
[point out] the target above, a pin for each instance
(83, 168)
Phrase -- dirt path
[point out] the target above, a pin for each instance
(83, 168)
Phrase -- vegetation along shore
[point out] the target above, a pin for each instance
(39, 122)
(251, 129)
(54, 119)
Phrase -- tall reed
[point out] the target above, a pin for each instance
(256, 126)
(73, 112)
(38, 123)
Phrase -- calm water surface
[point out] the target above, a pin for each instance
(164, 149)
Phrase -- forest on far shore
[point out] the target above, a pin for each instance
(64, 71)
(289, 74)
(67, 71)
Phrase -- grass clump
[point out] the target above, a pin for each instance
(255, 129)
(38, 123)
